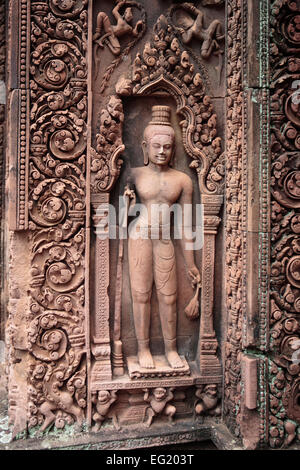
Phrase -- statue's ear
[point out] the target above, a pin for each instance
(145, 152)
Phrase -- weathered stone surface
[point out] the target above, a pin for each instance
(162, 103)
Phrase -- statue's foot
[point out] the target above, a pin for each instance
(146, 359)
(95, 428)
(174, 360)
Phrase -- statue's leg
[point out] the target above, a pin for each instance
(103, 24)
(105, 29)
(141, 280)
(166, 287)
(78, 413)
(150, 415)
(198, 25)
(114, 44)
(207, 48)
(170, 411)
(47, 409)
(187, 36)
(213, 31)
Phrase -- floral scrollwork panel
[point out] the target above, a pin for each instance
(56, 332)
(285, 205)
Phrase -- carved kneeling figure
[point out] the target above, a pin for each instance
(67, 404)
(103, 402)
(159, 404)
(208, 403)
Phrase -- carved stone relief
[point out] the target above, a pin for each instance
(161, 68)
(88, 344)
(88, 65)
(2, 153)
(234, 240)
(285, 294)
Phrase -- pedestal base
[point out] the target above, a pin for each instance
(101, 370)
(162, 368)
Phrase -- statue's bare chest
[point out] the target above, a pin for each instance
(157, 188)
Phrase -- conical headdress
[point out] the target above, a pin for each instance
(161, 115)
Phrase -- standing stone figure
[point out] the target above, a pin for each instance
(151, 253)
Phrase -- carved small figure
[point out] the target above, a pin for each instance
(109, 34)
(290, 428)
(103, 402)
(158, 401)
(66, 403)
(56, 399)
(208, 403)
(190, 22)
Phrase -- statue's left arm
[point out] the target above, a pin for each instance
(186, 200)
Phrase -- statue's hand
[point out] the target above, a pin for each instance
(189, 7)
(180, 30)
(194, 275)
(129, 193)
(139, 25)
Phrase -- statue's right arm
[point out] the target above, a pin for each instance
(116, 12)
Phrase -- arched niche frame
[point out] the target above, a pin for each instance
(161, 66)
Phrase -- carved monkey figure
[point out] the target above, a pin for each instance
(158, 404)
(208, 403)
(103, 401)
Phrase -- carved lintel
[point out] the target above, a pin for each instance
(101, 339)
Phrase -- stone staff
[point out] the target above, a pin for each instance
(118, 363)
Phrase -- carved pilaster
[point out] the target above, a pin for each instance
(101, 339)
(207, 351)
(47, 190)
(284, 294)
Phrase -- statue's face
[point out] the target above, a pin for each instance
(160, 393)
(160, 149)
(103, 396)
(128, 14)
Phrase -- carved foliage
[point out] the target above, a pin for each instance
(165, 65)
(2, 134)
(234, 243)
(105, 160)
(58, 114)
(285, 256)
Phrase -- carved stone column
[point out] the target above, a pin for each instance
(101, 350)
(209, 363)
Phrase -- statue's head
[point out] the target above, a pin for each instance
(103, 396)
(159, 393)
(128, 14)
(159, 137)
